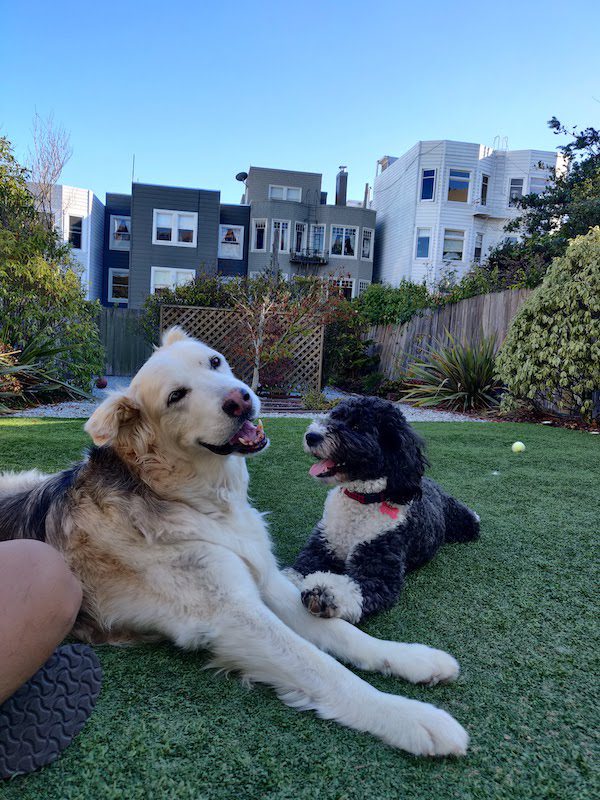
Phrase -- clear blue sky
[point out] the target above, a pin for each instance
(199, 91)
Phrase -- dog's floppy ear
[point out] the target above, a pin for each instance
(116, 412)
(405, 459)
(174, 334)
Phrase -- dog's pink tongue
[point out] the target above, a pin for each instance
(320, 467)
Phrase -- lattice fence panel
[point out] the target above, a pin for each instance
(220, 328)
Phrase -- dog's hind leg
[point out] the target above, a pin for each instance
(462, 524)
(416, 663)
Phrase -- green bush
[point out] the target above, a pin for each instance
(316, 401)
(552, 351)
(381, 304)
(460, 377)
(347, 357)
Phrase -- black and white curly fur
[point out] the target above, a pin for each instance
(356, 559)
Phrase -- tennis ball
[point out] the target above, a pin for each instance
(518, 447)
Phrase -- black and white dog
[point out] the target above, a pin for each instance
(382, 519)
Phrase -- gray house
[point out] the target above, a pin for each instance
(291, 222)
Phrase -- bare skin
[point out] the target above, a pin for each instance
(39, 600)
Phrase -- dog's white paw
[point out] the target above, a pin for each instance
(423, 729)
(326, 594)
(418, 663)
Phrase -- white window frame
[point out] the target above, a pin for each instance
(478, 237)
(416, 245)
(485, 202)
(363, 285)
(510, 182)
(469, 184)
(454, 238)
(109, 293)
(82, 218)
(304, 235)
(175, 214)
(432, 198)
(356, 240)
(541, 178)
(254, 249)
(112, 241)
(172, 270)
(371, 241)
(285, 190)
(322, 225)
(240, 253)
(345, 283)
(274, 228)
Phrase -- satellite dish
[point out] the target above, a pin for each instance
(241, 176)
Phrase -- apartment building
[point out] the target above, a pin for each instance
(443, 205)
(292, 225)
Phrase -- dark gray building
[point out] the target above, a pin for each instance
(291, 223)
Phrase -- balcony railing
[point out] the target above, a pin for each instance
(309, 258)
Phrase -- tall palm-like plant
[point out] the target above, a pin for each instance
(458, 376)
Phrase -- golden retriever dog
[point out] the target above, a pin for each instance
(156, 523)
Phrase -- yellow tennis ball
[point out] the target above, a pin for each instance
(518, 447)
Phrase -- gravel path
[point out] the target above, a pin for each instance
(82, 409)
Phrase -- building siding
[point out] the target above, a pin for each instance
(114, 259)
(235, 215)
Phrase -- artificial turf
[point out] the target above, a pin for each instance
(516, 609)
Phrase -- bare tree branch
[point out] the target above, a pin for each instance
(48, 156)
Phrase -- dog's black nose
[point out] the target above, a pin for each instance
(313, 439)
(237, 403)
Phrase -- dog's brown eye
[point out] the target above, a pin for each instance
(215, 362)
(176, 396)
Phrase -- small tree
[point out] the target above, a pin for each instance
(552, 350)
(48, 156)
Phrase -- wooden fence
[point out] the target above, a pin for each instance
(125, 346)
(469, 320)
(220, 328)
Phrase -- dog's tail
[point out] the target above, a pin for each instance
(462, 524)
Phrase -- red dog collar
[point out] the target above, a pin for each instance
(376, 497)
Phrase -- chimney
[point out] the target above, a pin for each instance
(341, 187)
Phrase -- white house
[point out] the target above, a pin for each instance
(79, 219)
(443, 204)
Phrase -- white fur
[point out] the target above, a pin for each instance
(201, 571)
(347, 593)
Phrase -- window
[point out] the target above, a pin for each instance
(118, 285)
(458, 186)
(427, 184)
(176, 228)
(259, 235)
(362, 286)
(516, 191)
(285, 193)
(423, 239)
(343, 241)
(317, 238)
(162, 278)
(478, 248)
(537, 185)
(120, 232)
(366, 250)
(485, 183)
(75, 232)
(346, 286)
(231, 242)
(281, 233)
(300, 237)
(454, 242)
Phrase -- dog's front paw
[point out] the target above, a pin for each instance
(418, 663)
(326, 594)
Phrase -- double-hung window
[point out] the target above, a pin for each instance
(317, 239)
(259, 235)
(423, 242)
(458, 186)
(75, 232)
(485, 185)
(343, 241)
(427, 184)
(366, 249)
(454, 245)
(120, 232)
(281, 233)
(515, 191)
(177, 228)
(300, 237)
(345, 286)
(118, 285)
(162, 278)
(538, 185)
(231, 242)
(478, 248)
(285, 193)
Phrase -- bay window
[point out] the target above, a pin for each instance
(454, 245)
(458, 186)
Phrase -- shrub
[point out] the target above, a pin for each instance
(347, 351)
(458, 377)
(381, 304)
(316, 401)
(552, 351)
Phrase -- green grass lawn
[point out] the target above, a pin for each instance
(515, 608)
